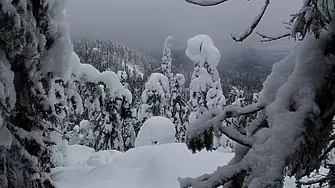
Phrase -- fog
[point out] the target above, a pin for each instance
(144, 24)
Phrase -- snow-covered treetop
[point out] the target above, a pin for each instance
(179, 79)
(122, 75)
(157, 83)
(166, 60)
(201, 49)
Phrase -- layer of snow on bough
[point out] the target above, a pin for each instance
(88, 73)
(156, 130)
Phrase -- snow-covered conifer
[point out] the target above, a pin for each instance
(167, 60)
(123, 78)
(205, 87)
(35, 50)
(155, 97)
(178, 107)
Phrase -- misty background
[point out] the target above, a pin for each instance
(144, 24)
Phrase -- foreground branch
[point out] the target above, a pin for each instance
(254, 24)
(325, 153)
(317, 181)
(236, 136)
(220, 177)
(206, 3)
(213, 119)
(273, 38)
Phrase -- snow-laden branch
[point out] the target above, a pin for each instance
(247, 32)
(236, 136)
(326, 152)
(206, 2)
(213, 120)
(266, 38)
(317, 181)
(221, 176)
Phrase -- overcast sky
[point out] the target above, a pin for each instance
(144, 24)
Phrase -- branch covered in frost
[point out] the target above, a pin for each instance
(206, 2)
(250, 29)
(213, 120)
(266, 38)
(317, 181)
(221, 176)
(325, 153)
(236, 136)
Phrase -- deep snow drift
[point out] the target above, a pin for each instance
(156, 166)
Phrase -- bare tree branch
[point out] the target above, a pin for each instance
(254, 24)
(206, 3)
(268, 38)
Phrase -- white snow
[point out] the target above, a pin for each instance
(7, 90)
(84, 124)
(143, 167)
(135, 69)
(157, 84)
(155, 131)
(179, 79)
(5, 136)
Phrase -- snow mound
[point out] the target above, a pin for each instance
(103, 157)
(155, 131)
(84, 124)
(143, 167)
(78, 154)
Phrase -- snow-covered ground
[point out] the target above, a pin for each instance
(156, 166)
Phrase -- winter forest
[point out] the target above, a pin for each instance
(86, 113)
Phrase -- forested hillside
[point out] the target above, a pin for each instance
(245, 68)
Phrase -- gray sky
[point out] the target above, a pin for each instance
(144, 24)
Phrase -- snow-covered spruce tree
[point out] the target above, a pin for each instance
(205, 88)
(127, 115)
(115, 125)
(74, 100)
(91, 92)
(166, 70)
(293, 133)
(123, 76)
(167, 60)
(178, 107)
(154, 97)
(35, 49)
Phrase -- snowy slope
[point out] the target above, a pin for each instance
(143, 167)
